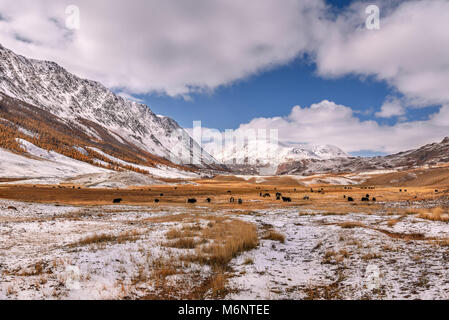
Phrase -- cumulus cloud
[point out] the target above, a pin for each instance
(391, 108)
(172, 47)
(179, 46)
(410, 51)
(330, 123)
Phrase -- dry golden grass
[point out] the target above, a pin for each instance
(392, 222)
(334, 257)
(435, 214)
(183, 243)
(351, 224)
(371, 256)
(218, 285)
(228, 239)
(275, 236)
(330, 291)
(107, 238)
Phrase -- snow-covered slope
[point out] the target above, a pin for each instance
(263, 153)
(428, 155)
(50, 87)
(51, 166)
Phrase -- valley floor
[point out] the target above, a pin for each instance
(322, 249)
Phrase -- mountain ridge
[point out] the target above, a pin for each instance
(92, 107)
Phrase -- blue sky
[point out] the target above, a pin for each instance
(269, 94)
(274, 93)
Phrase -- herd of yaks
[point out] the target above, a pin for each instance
(279, 196)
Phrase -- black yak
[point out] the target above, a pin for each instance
(286, 199)
(192, 200)
(118, 200)
(350, 199)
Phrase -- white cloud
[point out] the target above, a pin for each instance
(410, 51)
(173, 46)
(329, 123)
(391, 108)
(180, 46)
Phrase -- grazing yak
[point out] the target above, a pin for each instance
(208, 200)
(350, 199)
(278, 194)
(118, 200)
(306, 198)
(374, 199)
(266, 195)
(286, 199)
(365, 199)
(191, 200)
(240, 201)
(231, 200)
(156, 200)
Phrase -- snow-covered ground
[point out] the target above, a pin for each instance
(347, 256)
(158, 172)
(49, 167)
(39, 261)
(361, 263)
(47, 164)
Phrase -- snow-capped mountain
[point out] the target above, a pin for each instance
(428, 155)
(94, 109)
(264, 152)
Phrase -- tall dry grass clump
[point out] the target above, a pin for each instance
(236, 237)
(223, 240)
(274, 236)
(435, 214)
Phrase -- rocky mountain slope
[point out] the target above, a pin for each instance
(428, 155)
(82, 113)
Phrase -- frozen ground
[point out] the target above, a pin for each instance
(325, 257)
(350, 256)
